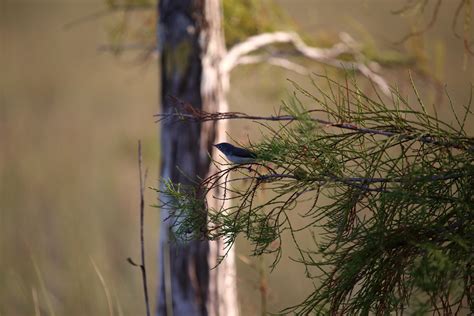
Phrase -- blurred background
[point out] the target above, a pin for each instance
(71, 113)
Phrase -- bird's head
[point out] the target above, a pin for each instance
(236, 154)
(225, 148)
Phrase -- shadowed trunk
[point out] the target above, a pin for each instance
(191, 44)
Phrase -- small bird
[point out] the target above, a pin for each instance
(235, 154)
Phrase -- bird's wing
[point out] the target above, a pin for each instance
(241, 152)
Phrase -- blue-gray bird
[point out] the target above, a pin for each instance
(235, 154)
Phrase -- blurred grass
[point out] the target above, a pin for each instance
(69, 189)
(70, 118)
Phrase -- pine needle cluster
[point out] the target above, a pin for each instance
(385, 188)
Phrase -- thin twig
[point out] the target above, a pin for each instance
(142, 220)
(426, 28)
(461, 4)
(439, 177)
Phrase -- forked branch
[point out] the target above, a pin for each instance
(241, 54)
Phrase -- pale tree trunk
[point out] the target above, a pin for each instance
(192, 46)
(214, 86)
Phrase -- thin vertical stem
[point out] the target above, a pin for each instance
(142, 221)
(142, 267)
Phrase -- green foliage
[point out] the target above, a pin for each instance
(133, 28)
(187, 212)
(385, 188)
(243, 18)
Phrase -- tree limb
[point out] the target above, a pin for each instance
(238, 54)
(276, 61)
(204, 117)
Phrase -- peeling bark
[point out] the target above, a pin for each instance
(192, 46)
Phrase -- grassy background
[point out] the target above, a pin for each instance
(70, 118)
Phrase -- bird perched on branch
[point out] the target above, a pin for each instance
(236, 155)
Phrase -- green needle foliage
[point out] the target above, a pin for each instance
(244, 18)
(385, 189)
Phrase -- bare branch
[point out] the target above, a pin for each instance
(365, 180)
(239, 54)
(427, 27)
(202, 116)
(276, 61)
(142, 178)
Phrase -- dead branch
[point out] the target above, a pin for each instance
(424, 29)
(275, 61)
(239, 54)
(188, 112)
(142, 266)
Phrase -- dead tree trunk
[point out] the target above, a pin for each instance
(192, 46)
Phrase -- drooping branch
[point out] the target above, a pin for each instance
(386, 207)
(239, 54)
